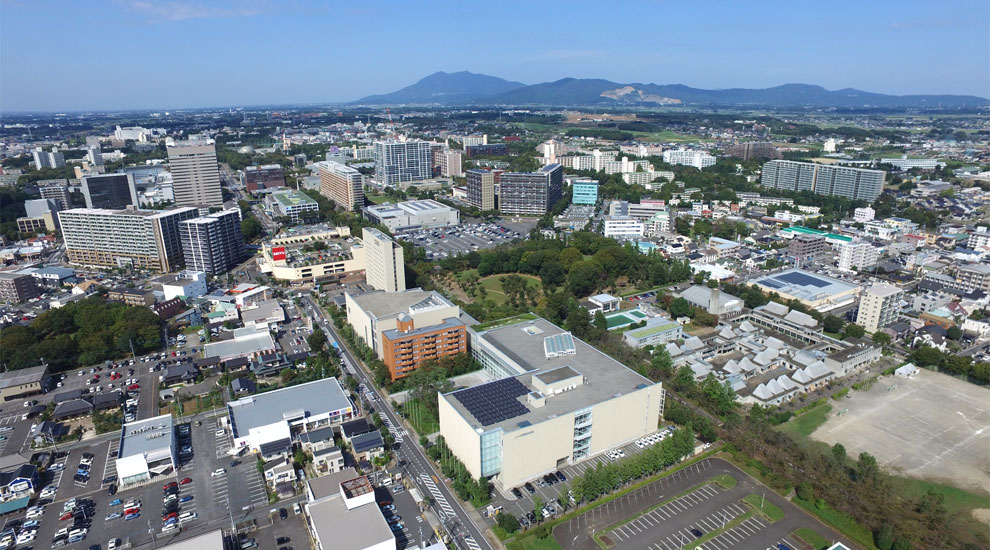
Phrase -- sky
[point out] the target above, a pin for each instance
(170, 54)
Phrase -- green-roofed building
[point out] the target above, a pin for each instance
(290, 203)
(832, 238)
(658, 331)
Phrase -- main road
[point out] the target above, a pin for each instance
(416, 465)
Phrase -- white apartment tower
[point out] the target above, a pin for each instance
(212, 244)
(384, 265)
(860, 255)
(878, 306)
(195, 174)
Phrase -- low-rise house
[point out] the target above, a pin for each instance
(316, 440)
(279, 471)
(18, 482)
(183, 373)
(328, 460)
(368, 446)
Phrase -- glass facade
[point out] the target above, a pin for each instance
(582, 434)
(491, 452)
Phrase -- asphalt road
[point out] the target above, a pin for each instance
(417, 467)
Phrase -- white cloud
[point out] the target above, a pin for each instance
(181, 11)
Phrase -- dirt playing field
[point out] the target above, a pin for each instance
(931, 426)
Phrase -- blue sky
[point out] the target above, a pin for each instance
(127, 54)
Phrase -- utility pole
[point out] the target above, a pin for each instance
(152, 533)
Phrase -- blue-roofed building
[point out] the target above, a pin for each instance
(584, 191)
(811, 289)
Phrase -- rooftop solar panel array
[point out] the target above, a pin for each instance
(559, 344)
(494, 402)
(802, 279)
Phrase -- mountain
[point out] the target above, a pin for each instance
(465, 88)
(446, 88)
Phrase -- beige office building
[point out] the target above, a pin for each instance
(557, 401)
(878, 306)
(372, 313)
(195, 174)
(384, 265)
(341, 184)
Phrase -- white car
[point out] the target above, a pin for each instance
(75, 532)
(218, 472)
(34, 514)
(186, 517)
(169, 527)
(114, 543)
(132, 504)
(26, 536)
(219, 433)
(49, 491)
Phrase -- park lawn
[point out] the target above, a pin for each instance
(802, 426)
(465, 274)
(769, 509)
(956, 500)
(493, 285)
(378, 199)
(811, 537)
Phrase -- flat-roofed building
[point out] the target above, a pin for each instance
(407, 346)
(147, 450)
(857, 255)
(412, 215)
(262, 178)
(481, 188)
(824, 179)
(269, 423)
(384, 265)
(16, 288)
(811, 289)
(342, 513)
(57, 190)
(658, 331)
(623, 228)
(530, 192)
(213, 243)
(879, 306)
(93, 236)
(557, 401)
(292, 204)
(973, 277)
(342, 184)
(806, 249)
(373, 313)
(195, 173)
(584, 191)
(402, 162)
(112, 191)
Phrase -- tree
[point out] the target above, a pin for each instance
(883, 537)
(831, 323)
(954, 333)
(881, 338)
(852, 330)
(679, 307)
(866, 467)
(932, 508)
(839, 454)
(684, 379)
(508, 522)
(805, 491)
(661, 365)
(317, 340)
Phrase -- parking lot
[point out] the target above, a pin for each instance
(678, 509)
(447, 242)
(521, 504)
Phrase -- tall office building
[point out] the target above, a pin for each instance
(398, 162)
(754, 150)
(59, 192)
(342, 184)
(384, 265)
(878, 306)
(530, 193)
(260, 178)
(195, 174)
(147, 239)
(35, 208)
(112, 191)
(584, 191)
(481, 188)
(823, 179)
(212, 244)
(45, 159)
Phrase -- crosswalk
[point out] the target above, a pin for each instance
(397, 433)
(472, 544)
(437, 495)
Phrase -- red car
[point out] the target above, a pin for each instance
(185, 481)
(65, 516)
(134, 387)
(170, 516)
(132, 511)
(169, 485)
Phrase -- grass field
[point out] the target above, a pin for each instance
(811, 537)
(421, 419)
(840, 522)
(768, 508)
(956, 500)
(802, 426)
(378, 199)
(493, 285)
(533, 543)
(725, 481)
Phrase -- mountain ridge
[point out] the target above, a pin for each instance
(464, 87)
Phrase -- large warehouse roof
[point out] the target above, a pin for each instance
(506, 403)
(309, 399)
(805, 285)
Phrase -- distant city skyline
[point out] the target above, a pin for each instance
(143, 54)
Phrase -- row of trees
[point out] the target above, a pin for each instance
(80, 333)
(950, 363)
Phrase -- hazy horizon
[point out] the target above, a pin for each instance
(119, 55)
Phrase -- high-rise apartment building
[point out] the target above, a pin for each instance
(399, 162)
(860, 255)
(878, 306)
(530, 192)
(823, 179)
(16, 288)
(342, 184)
(111, 191)
(46, 159)
(481, 188)
(146, 239)
(486, 150)
(384, 265)
(59, 192)
(698, 159)
(212, 244)
(94, 155)
(450, 164)
(195, 174)
(973, 277)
